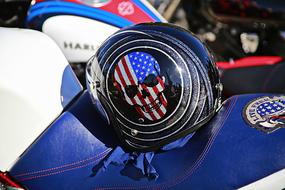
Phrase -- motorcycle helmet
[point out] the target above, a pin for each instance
(157, 83)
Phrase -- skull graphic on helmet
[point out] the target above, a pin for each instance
(137, 77)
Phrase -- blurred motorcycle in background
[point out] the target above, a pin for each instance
(13, 13)
(246, 36)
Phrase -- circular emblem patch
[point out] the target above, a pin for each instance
(266, 113)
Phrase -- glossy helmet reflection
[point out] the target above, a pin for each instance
(157, 83)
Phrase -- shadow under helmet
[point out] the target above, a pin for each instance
(157, 83)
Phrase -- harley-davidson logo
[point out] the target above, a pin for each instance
(126, 8)
(78, 46)
(266, 113)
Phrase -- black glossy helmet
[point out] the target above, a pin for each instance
(157, 83)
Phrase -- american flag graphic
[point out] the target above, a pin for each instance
(269, 108)
(130, 73)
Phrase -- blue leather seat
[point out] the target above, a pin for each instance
(224, 154)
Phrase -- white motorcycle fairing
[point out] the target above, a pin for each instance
(36, 84)
(79, 27)
(78, 37)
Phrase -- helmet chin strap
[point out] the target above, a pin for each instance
(90, 82)
(91, 87)
(218, 102)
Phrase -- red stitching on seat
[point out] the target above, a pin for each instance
(65, 165)
(58, 172)
(205, 151)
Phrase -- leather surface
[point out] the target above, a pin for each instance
(224, 154)
(258, 79)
